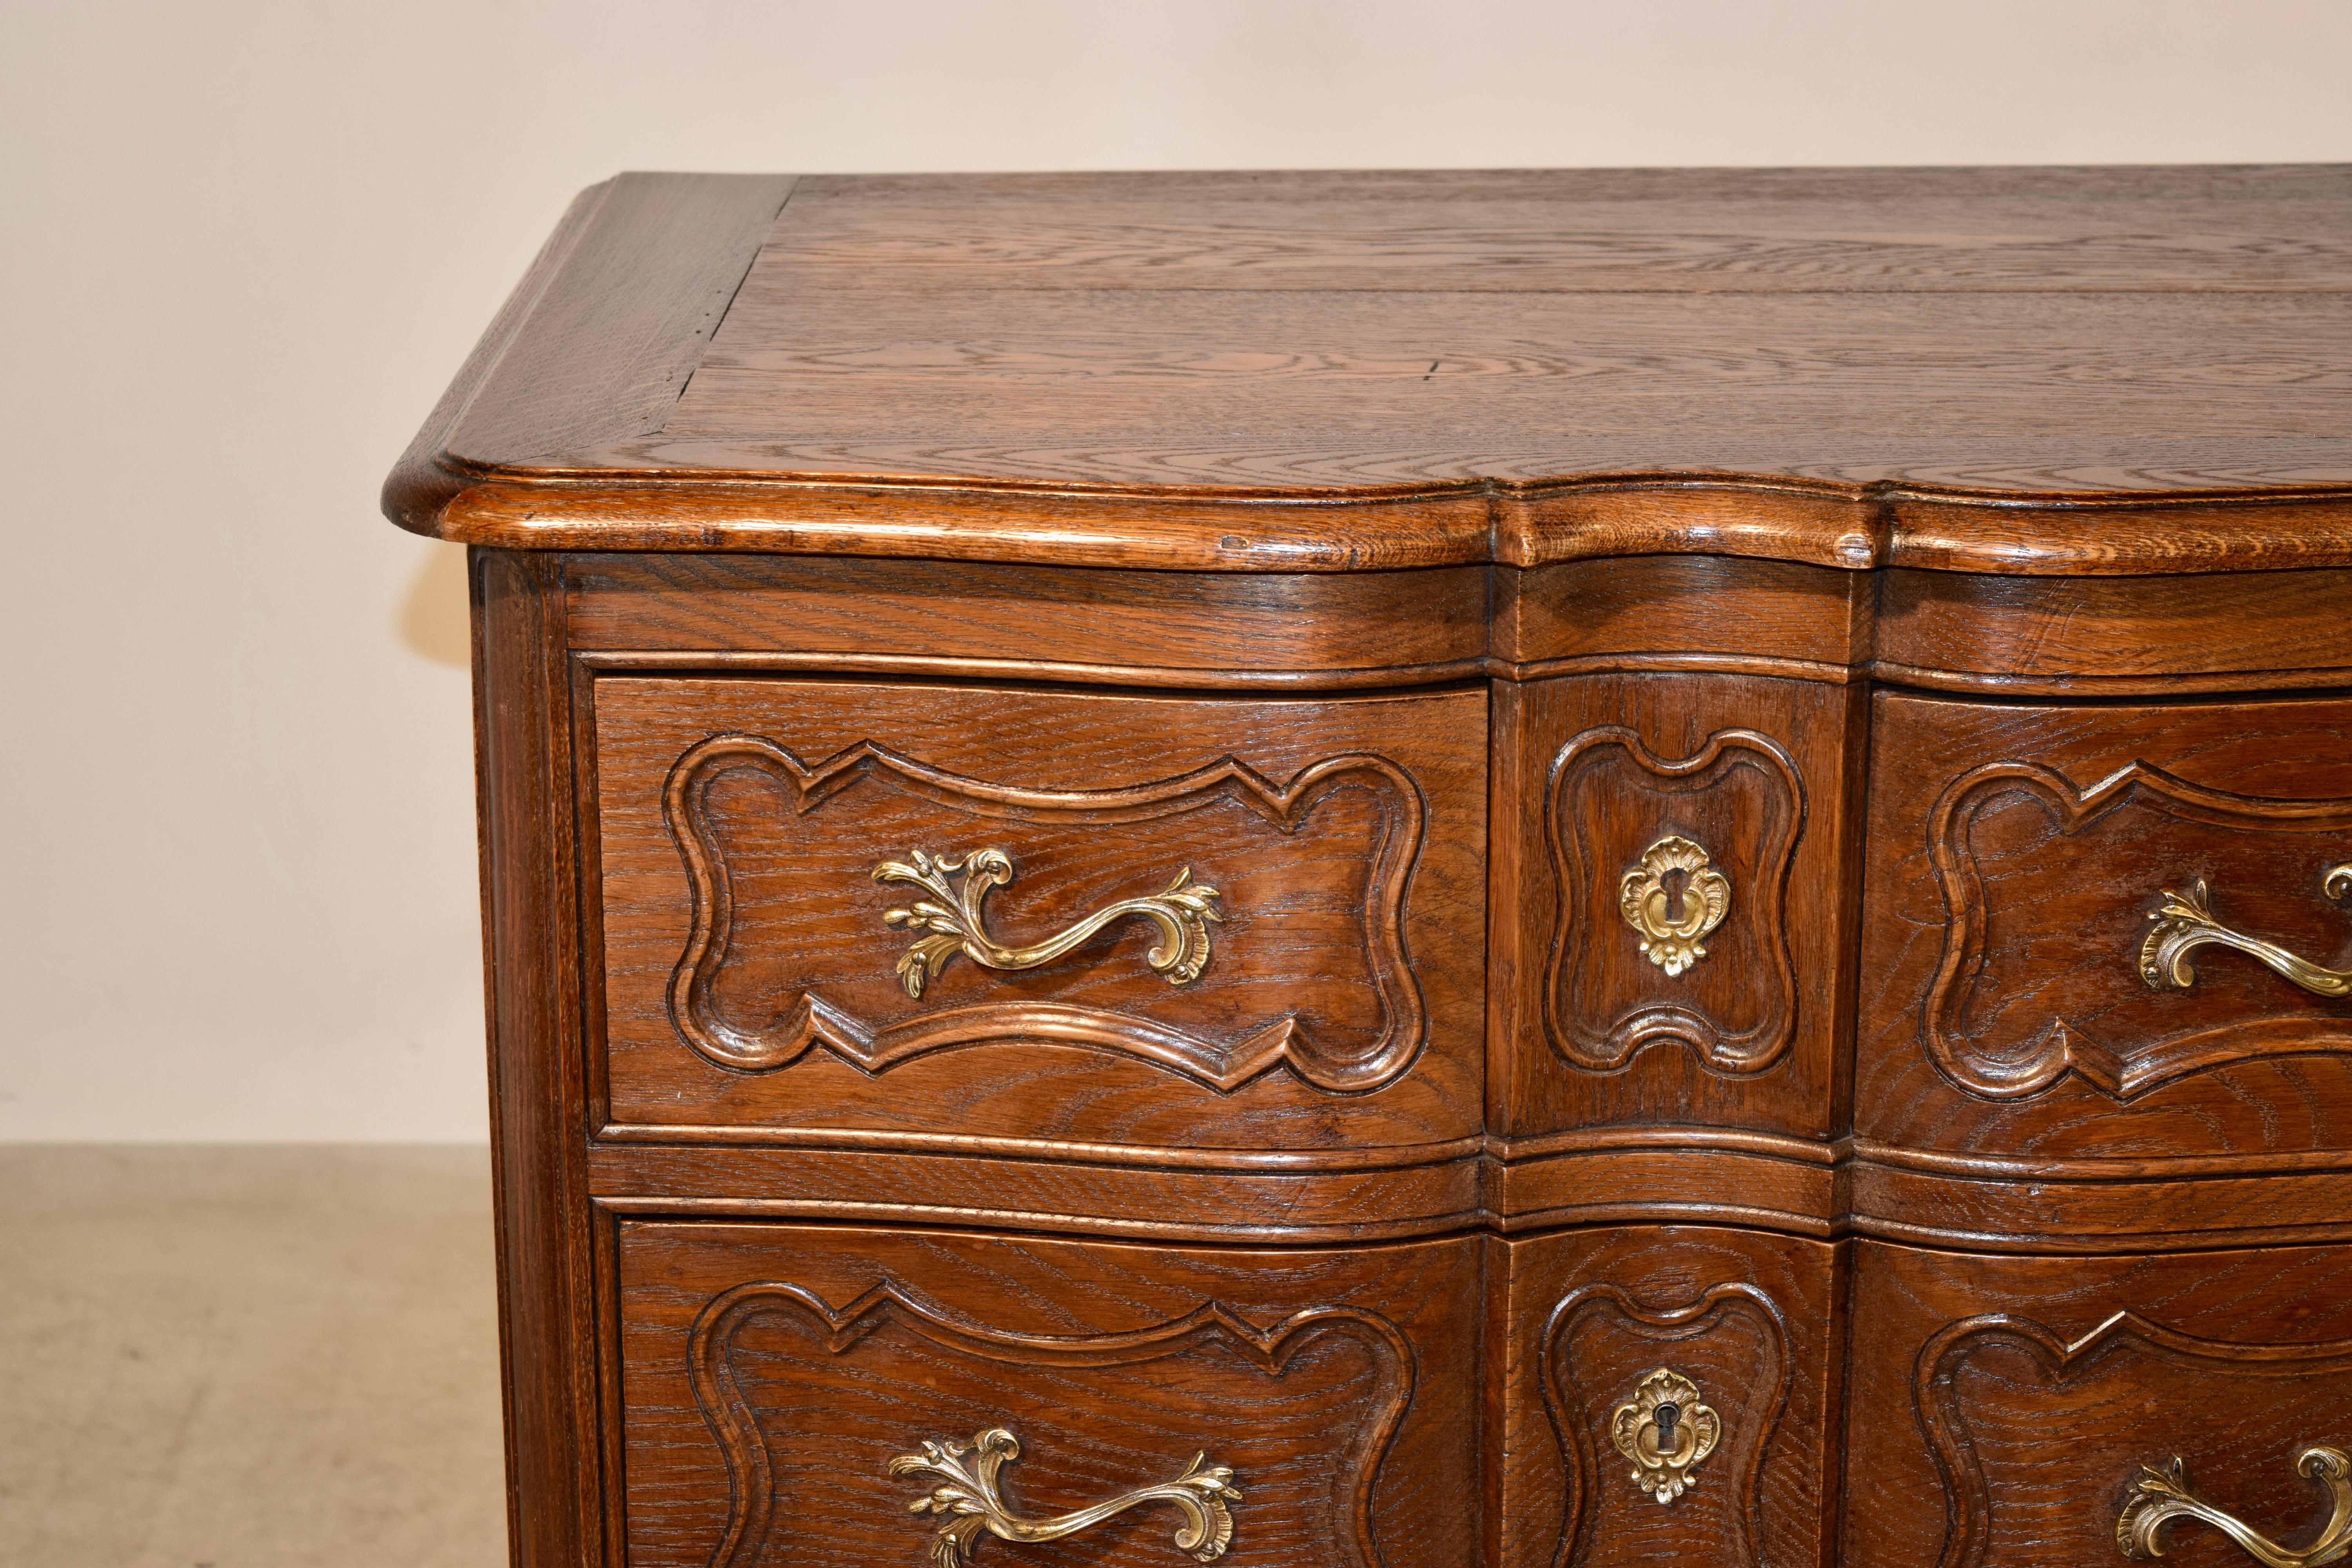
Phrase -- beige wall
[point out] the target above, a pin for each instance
(245, 244)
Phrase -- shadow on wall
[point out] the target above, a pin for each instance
(432, 612)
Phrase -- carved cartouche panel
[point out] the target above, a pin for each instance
(1332, 902)
(2049, 891)
(2039, 1440)
(768, 1374)
(1730, 1343)
(1173, 922)
(1610, 803)
(806, 1401)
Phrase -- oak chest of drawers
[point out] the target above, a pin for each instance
(1416, 870)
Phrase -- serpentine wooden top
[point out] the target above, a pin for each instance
(2037, 371)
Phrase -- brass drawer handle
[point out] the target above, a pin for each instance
(2185, 924)
(1182, 911)
(968, 1495)
(2159, 1497)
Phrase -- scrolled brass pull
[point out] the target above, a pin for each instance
(1182, 911)
(2159, 1497)
(970, 1496)
(2185, 924)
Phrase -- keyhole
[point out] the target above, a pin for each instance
(1672, 884)
(1667, 1414)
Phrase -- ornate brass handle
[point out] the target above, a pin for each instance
(1665, 1431)
(969, 1495)
(1671, 928)
(1182, 911)
(2185, 924)
(2159, 1497)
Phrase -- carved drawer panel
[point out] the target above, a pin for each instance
(2104, 931)
(1671, 921)
(789, 1393)
(1026, 914)
(1668, 1391)
(2061, 1411)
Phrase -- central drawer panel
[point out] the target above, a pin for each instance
(1021, 914)
(771, 1375)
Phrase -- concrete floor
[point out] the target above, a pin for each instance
(248, 1357)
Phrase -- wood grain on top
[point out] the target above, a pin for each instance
(2008, 370)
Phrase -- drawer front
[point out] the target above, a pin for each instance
(2105, 931)
(1669, 1392)
(1670, 926)
(1025, 914)
(2013, 1413)
(790, 1392)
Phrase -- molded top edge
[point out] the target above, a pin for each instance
(2032, 371)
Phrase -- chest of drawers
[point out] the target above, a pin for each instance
(1420, 870)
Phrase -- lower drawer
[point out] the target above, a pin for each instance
(1666, 1398)
(2014, 1410)
(795, 1393)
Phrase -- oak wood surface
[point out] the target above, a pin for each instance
(1055, 386)
(2092, 1206)
(2034, 371)
(1156, 628)
(602, 334)
(1596, 230)
(1682, 612)
(1702, 1175)
(2112, 635)
(545, 1245)
(972, 1182)
(2092, 636)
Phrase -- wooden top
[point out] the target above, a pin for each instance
(2117, 370)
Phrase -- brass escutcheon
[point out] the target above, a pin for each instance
(1671, 928)
(1666, 1432)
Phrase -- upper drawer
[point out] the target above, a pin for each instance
(2107, 930)
(1093, 918)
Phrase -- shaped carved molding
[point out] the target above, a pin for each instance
(1340, 1065)
(1581, 1409)
(2170, 1034)
(755, 1516)
(2141, 1357)
(1604, 1002)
